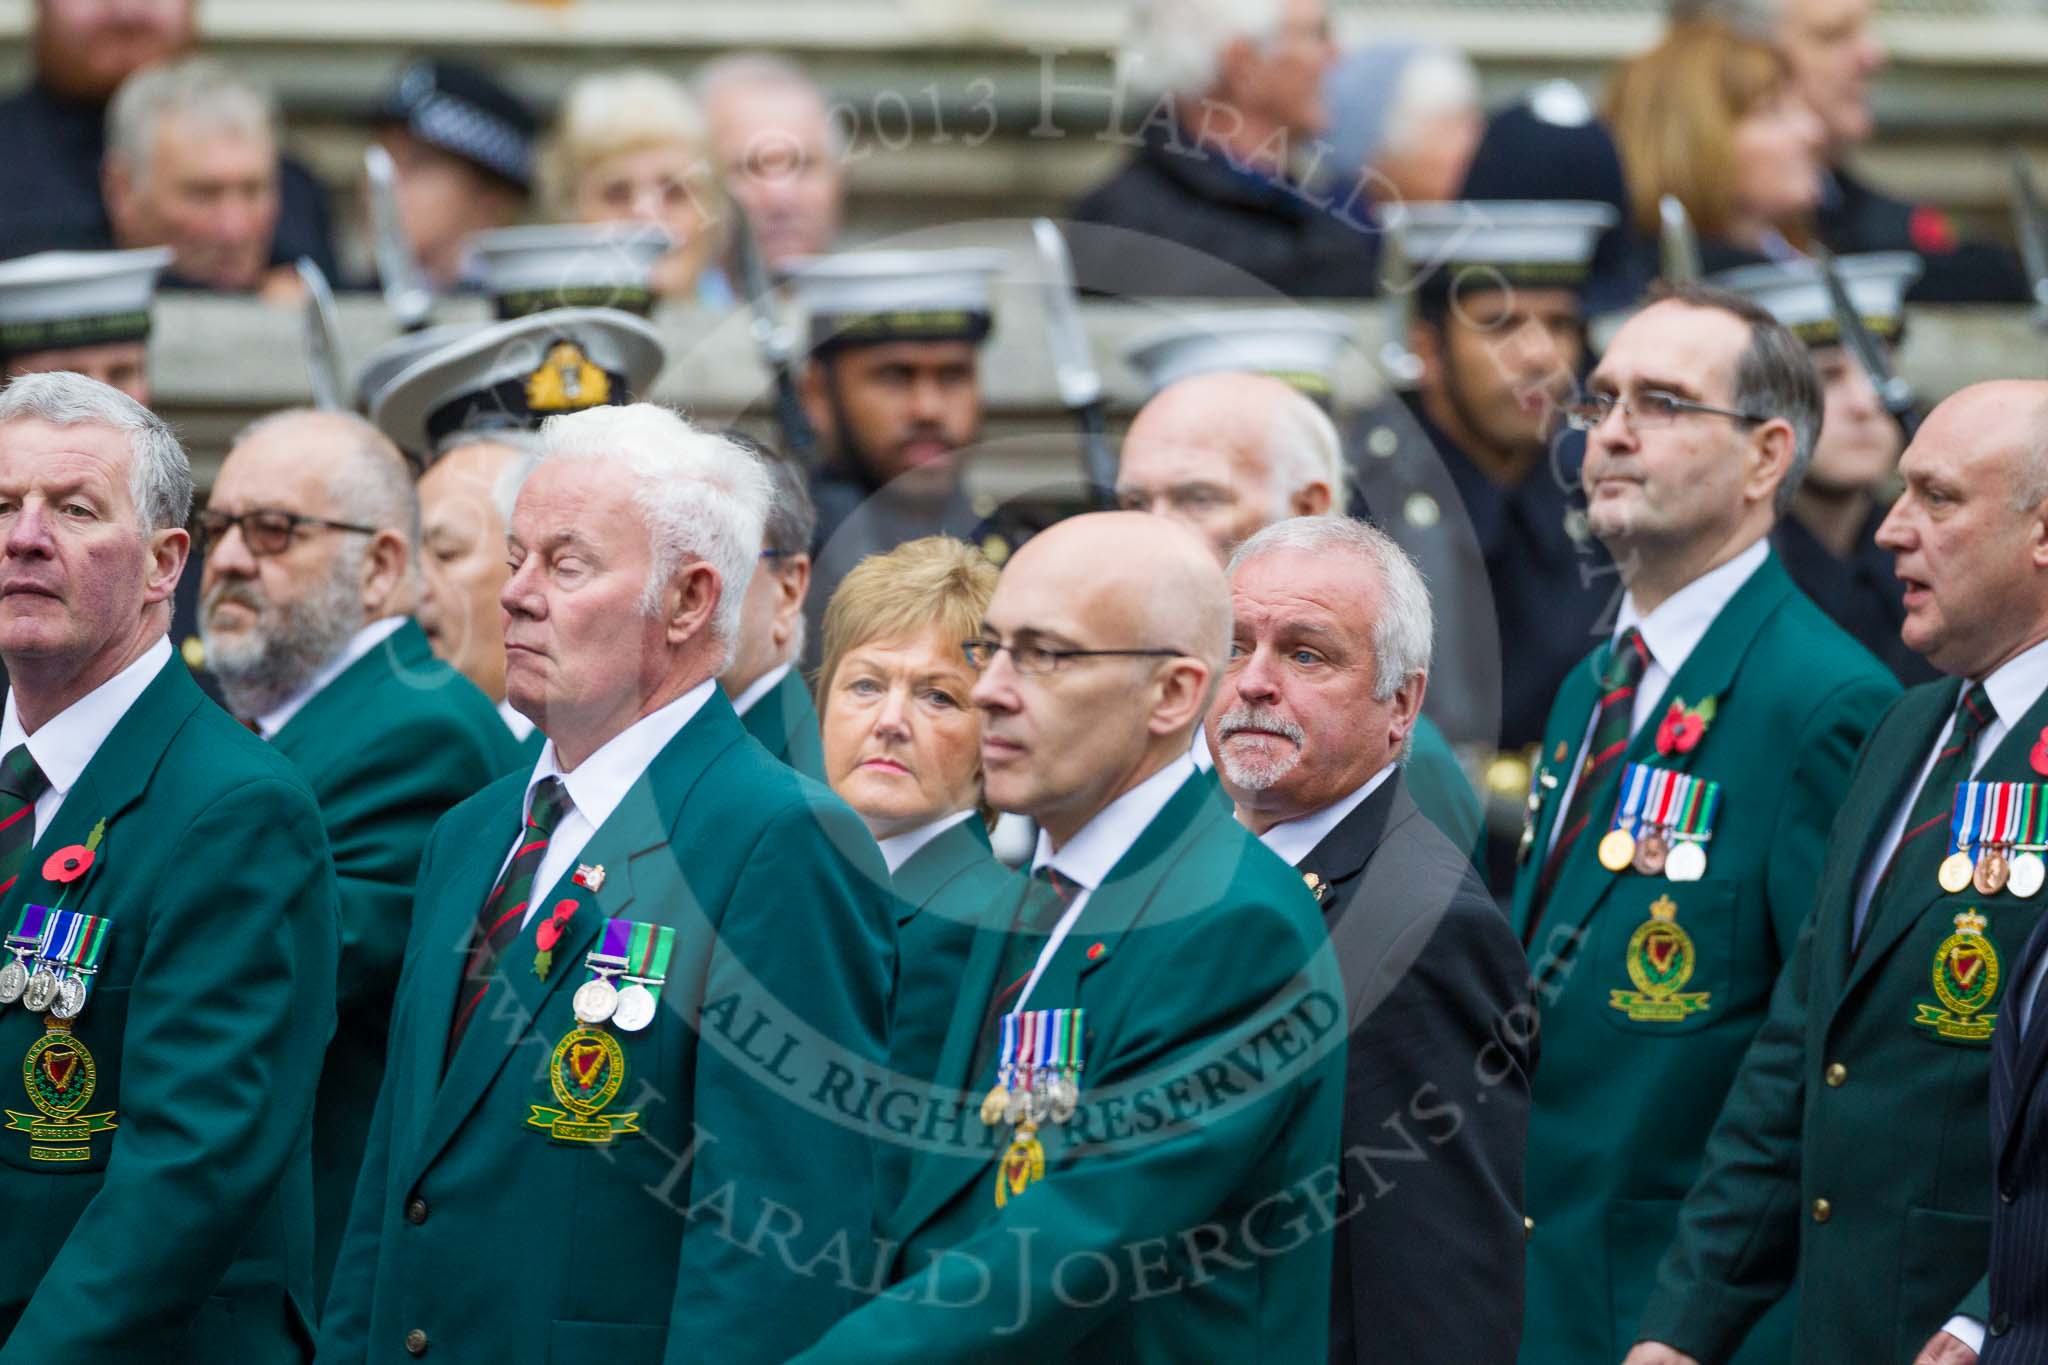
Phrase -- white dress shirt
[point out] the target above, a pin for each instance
(1295, 839)
(1097, 847)
(517, 723)
(599, 783)
(897, 848)
(66, 742)
(1198, 752)
(359, 644)
(1670, 633)
(760, 688)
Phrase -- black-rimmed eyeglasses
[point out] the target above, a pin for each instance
(1035, 660)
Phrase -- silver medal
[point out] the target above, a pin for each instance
(70, 998)
(13, 981)
(595, 1000)
(636, 1008)
(41, 990)
(1066, 1096)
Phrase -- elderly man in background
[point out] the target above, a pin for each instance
(1163, 924)
(1225, 102)
(192, 165)
(778, 151)
(50, 195)
(1679, 815)
(1903, 1010)
(763, 680)
(598, 947)
(466, 497)
(158, 1123)
(1329, 660)
(312, 531)
(1226, 454)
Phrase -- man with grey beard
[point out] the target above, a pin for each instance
(1329, 660)
(312, 532)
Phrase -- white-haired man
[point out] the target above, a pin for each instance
(634, 974)
(1223, 101)
(310, 568)
(466, 498)
(1226, 454)
(1329, 660)
(174, 1000)
(192, 164)
(779, 150)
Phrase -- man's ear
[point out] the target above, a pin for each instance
(1426, 342)
(169, 549)
(814, 392)
(792, 583)
(117, 187)
(384, 574)
(689, 602)
(1310, 500)
(1771, 448)
(1182, 687)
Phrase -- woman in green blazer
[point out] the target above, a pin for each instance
(903, 748)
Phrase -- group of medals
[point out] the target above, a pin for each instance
(1998, 831)
(626, 970)
(55, 956)
(1663, 821)
(1038, 1080)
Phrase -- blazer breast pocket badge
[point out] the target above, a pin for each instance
(1966, 976)
(1660, 958)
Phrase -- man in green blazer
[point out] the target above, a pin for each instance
(1852, 1160)
(310, 642)
(1658, 910)
(1163, 969)
(638, 978)
(155, 1154)
(765, 684)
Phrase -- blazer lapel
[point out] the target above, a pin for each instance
(1561, 741)
(513, 1003)
(2018, 1059)
(1708, 671)
(926, 872)
(437, 975)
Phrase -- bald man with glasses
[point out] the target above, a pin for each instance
(1680, 806)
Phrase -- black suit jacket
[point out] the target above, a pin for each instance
(1428, 1259)
(2019, 1151)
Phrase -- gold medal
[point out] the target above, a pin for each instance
(1955, 873)
(994, 1104)
(1617, 847)
(1022, 1163)
(1651, 851)
(1990, 877)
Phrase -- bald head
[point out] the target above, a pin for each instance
(1969, 535)
(1228, 454)
(1133, 614)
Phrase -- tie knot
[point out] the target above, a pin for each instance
(1626, 662)
(1974, 712)
(1062, 885)
(19, 775)
(550, 803)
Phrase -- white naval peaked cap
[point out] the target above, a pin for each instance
(570, 265)
(1535, 243)
(58, 299)
(1298, 345)
(868, 297)
(1796, 293)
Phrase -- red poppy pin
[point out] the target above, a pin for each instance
(1094, 951)
(2037, 757)
(1683, 727)
(67, 865)
(549, 934)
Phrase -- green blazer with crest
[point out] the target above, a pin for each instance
(1186, 1210)
(786, 723)
(181, 1229)
(388, 747)
(1622, 1105)
(1853, 1158)
(739, 1166)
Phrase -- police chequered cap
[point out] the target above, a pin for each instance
(518, 373)
(58, 299)
(1300, 346)
(596, 265)
(397, 355)
(460, 109)
(865, 298)
(1796, 293)
(1477, 243)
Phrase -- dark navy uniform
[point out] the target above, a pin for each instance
(1861, 594)
(1854, 217)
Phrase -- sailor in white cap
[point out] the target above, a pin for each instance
(1828, 540)
(893, 389)
(1299, 346)
(596, 265)
(84, 311)
(1462, 470)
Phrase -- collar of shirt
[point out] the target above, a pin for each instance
(602, 780)
(359, 644)
(1295, 839)
(1675, 628)
(1098, 845)
(66, 742)
(897, 848)
(517, 723)
(2013, 687)
(1198, 752)
(760, 688)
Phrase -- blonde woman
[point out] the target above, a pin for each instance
(631, 146)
